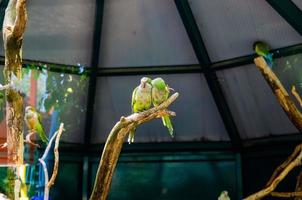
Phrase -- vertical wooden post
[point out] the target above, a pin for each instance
(13, 29)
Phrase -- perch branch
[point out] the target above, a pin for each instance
(294, 115)
(299, 186)
(285, 164)
(29, 141)
(296, 95)
(115, 142)
(48, 183)
(274, 183)
(56, 153)
(286, 194)
(283, 97)
(14, 24)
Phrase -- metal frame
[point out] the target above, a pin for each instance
(289, 11)
(210, 75)
(93, 74)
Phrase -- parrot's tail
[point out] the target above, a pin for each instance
(269, 60)
(167, 122)
(131, 136)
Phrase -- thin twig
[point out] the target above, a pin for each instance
(284, 164)
(269, 189)
(56, 153)
(46, 191)
(48, 183)
(49, 146)
(296, 95)
(29, 141)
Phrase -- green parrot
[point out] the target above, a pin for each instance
(33, 121)
(224, 195)
(141, 100)
(262, 49)
(160, 93)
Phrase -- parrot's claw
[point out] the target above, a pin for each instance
(3, 146)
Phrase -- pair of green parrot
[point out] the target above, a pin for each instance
(150, 92)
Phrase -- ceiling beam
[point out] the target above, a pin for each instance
(193, 32)
(93, 70)
(165, 69)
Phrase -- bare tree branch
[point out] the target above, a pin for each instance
(282, 95)
(284, 170)
(56, 153)
(295, 116)
(115, 142)
(296, 95)
(48, 184)
(286, 194)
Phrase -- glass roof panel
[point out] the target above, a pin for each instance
(59, 31)
(143, 33)
(298, 3)
(229, 27)
(255, 109)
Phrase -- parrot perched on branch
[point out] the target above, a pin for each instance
(262, 49)
(141, 100)
(160, 93)
(33, 121)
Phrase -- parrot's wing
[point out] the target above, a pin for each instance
(39, 117)
(41, 130)
(133, 98)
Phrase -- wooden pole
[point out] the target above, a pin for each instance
(13, 29)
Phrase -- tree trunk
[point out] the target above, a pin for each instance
(13, 28)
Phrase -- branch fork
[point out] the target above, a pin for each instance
(48, 183)
(295, 159)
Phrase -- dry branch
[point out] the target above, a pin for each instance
(286, 194)
(293, 161)
(299, 187)
(295, 116)
(115, 142)
(296, 95)
(282, 95)
(49, 183)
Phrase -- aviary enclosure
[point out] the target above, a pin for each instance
(40, 106)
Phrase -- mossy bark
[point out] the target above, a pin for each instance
(13, 29)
